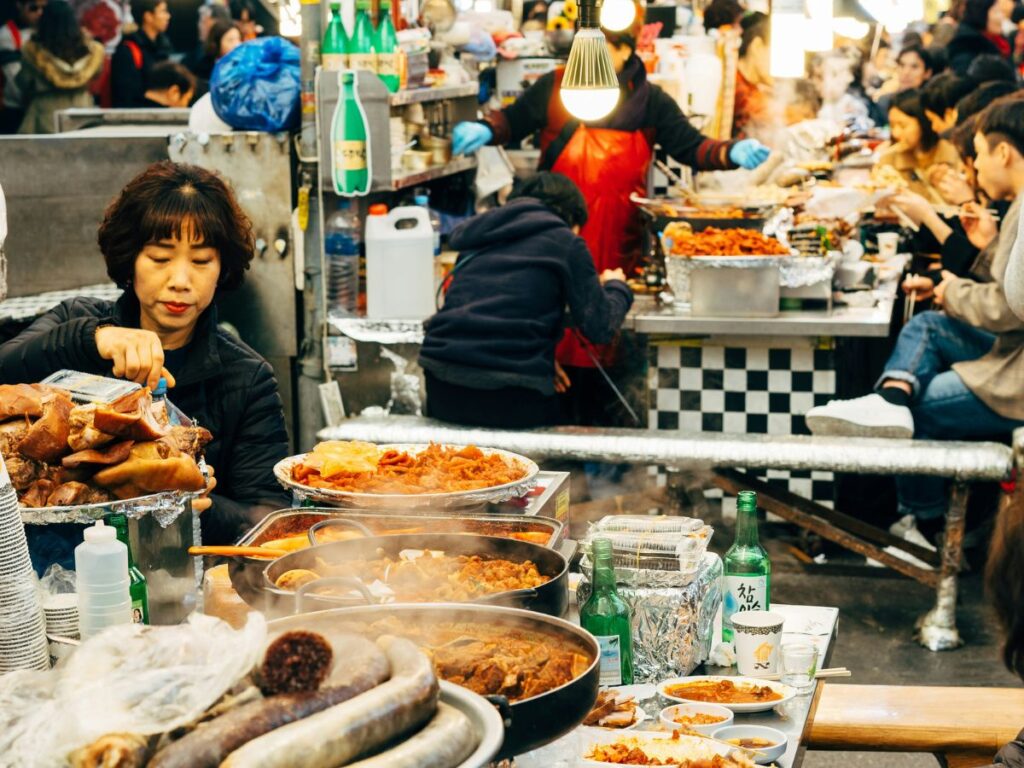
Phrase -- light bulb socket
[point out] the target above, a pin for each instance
(590, 14)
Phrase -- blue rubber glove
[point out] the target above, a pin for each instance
(467, 138)
(749, 153)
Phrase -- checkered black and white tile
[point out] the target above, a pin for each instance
(745, 386)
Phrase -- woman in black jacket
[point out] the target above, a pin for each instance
(980, 32)
(173, 239)
(489, 353)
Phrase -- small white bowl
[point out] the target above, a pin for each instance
(765, 754)
(669, 715)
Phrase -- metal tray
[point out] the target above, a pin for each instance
(292, 522)
(498, 493)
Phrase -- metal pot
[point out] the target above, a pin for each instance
(530, 723)
(551, 597)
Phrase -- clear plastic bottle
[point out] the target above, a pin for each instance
(343, 238)
(104, 596)
(422, 199)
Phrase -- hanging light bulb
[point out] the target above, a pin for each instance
(850, 28)
(590, 89)
(616, 15)
(819, 26)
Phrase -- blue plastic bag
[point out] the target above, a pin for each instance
(257, 86)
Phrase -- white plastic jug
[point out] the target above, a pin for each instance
(399, 264)
(101, 566)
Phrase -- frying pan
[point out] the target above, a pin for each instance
(530, 723)
(551, 598)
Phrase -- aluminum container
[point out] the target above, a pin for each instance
(726, 286)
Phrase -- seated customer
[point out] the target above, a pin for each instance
(917, 151)
(175, 239)
(489, 353)
(169, 85)
(958, 373)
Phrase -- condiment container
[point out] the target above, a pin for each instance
(101, 564)
(399, 263)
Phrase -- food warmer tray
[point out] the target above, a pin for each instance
(407, 501)
(533, 722)
(292, 522)
(659, 213)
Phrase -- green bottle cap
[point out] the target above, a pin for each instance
(746, 501)
(348, 77)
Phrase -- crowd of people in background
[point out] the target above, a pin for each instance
(60, 54)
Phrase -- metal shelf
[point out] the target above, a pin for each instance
(421, 95)
(457, 165)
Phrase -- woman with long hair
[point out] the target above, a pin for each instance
(917, 151)
(981, 31)
(58, 64)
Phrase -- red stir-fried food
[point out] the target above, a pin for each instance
(722, 242)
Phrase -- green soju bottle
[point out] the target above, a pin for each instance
(334, 51)
(348, 130)
(360, 46)
(605, 615)
(385, 42)
(748, 570)
(136, 581)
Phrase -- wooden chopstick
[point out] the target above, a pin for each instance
(905, 220)
(225, 551)
(822, 674)
(908, 305)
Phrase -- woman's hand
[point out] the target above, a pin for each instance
(940, 289)
(922, 287)
(952, 187)
(612, 274)
(980, 225)
(202, 503)
(914, 205)
(137, 355)
(562, 380)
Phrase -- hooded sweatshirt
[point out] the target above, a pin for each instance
(50, 84)
(518, 268)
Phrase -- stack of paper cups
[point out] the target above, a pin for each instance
(61, 613)
(22, 626)
(101, 565)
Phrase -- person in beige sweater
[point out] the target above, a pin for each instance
(957, 373)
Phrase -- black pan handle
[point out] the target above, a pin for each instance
(504, 707)
(504, 597)
(333, 522)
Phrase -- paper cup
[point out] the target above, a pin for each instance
(888, 243)
(758, 635)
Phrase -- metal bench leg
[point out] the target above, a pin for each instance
(937, 629)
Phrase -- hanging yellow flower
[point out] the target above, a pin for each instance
(571, 10)
(559, 22)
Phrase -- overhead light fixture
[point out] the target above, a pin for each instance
(788, 36)
(819, 35)
(616, 15)
(590, 89)
(850, 28)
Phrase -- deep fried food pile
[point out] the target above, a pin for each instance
(342, 466)
(501, 660)
(61, 454)
(433, 577)
(721, 242)
(723, 692)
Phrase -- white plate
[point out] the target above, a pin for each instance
(493, 494)
(685, 747)
(785, 691)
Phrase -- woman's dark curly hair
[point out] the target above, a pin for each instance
(160, 203)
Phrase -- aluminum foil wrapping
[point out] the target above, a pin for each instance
(379, 331)
(672, 625)
(808, 270)
(869, 456)
(165, 508)
(730, 262)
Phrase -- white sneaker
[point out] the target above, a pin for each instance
(868, 416)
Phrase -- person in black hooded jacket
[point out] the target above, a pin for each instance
(173, 240)
(489, 353)
(980, 33)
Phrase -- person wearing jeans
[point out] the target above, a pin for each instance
(959, 373)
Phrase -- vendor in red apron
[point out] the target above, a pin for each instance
(608, 160)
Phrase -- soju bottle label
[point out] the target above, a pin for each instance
(138, 611)
(743, 593)
(350, 155)
(387, 64)
(611, 659)
(334, 61)
(363, 61)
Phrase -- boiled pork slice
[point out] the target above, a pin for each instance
(84, 434)
(151, 467)
(47, 438)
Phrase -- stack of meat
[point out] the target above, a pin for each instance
(61, 454)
